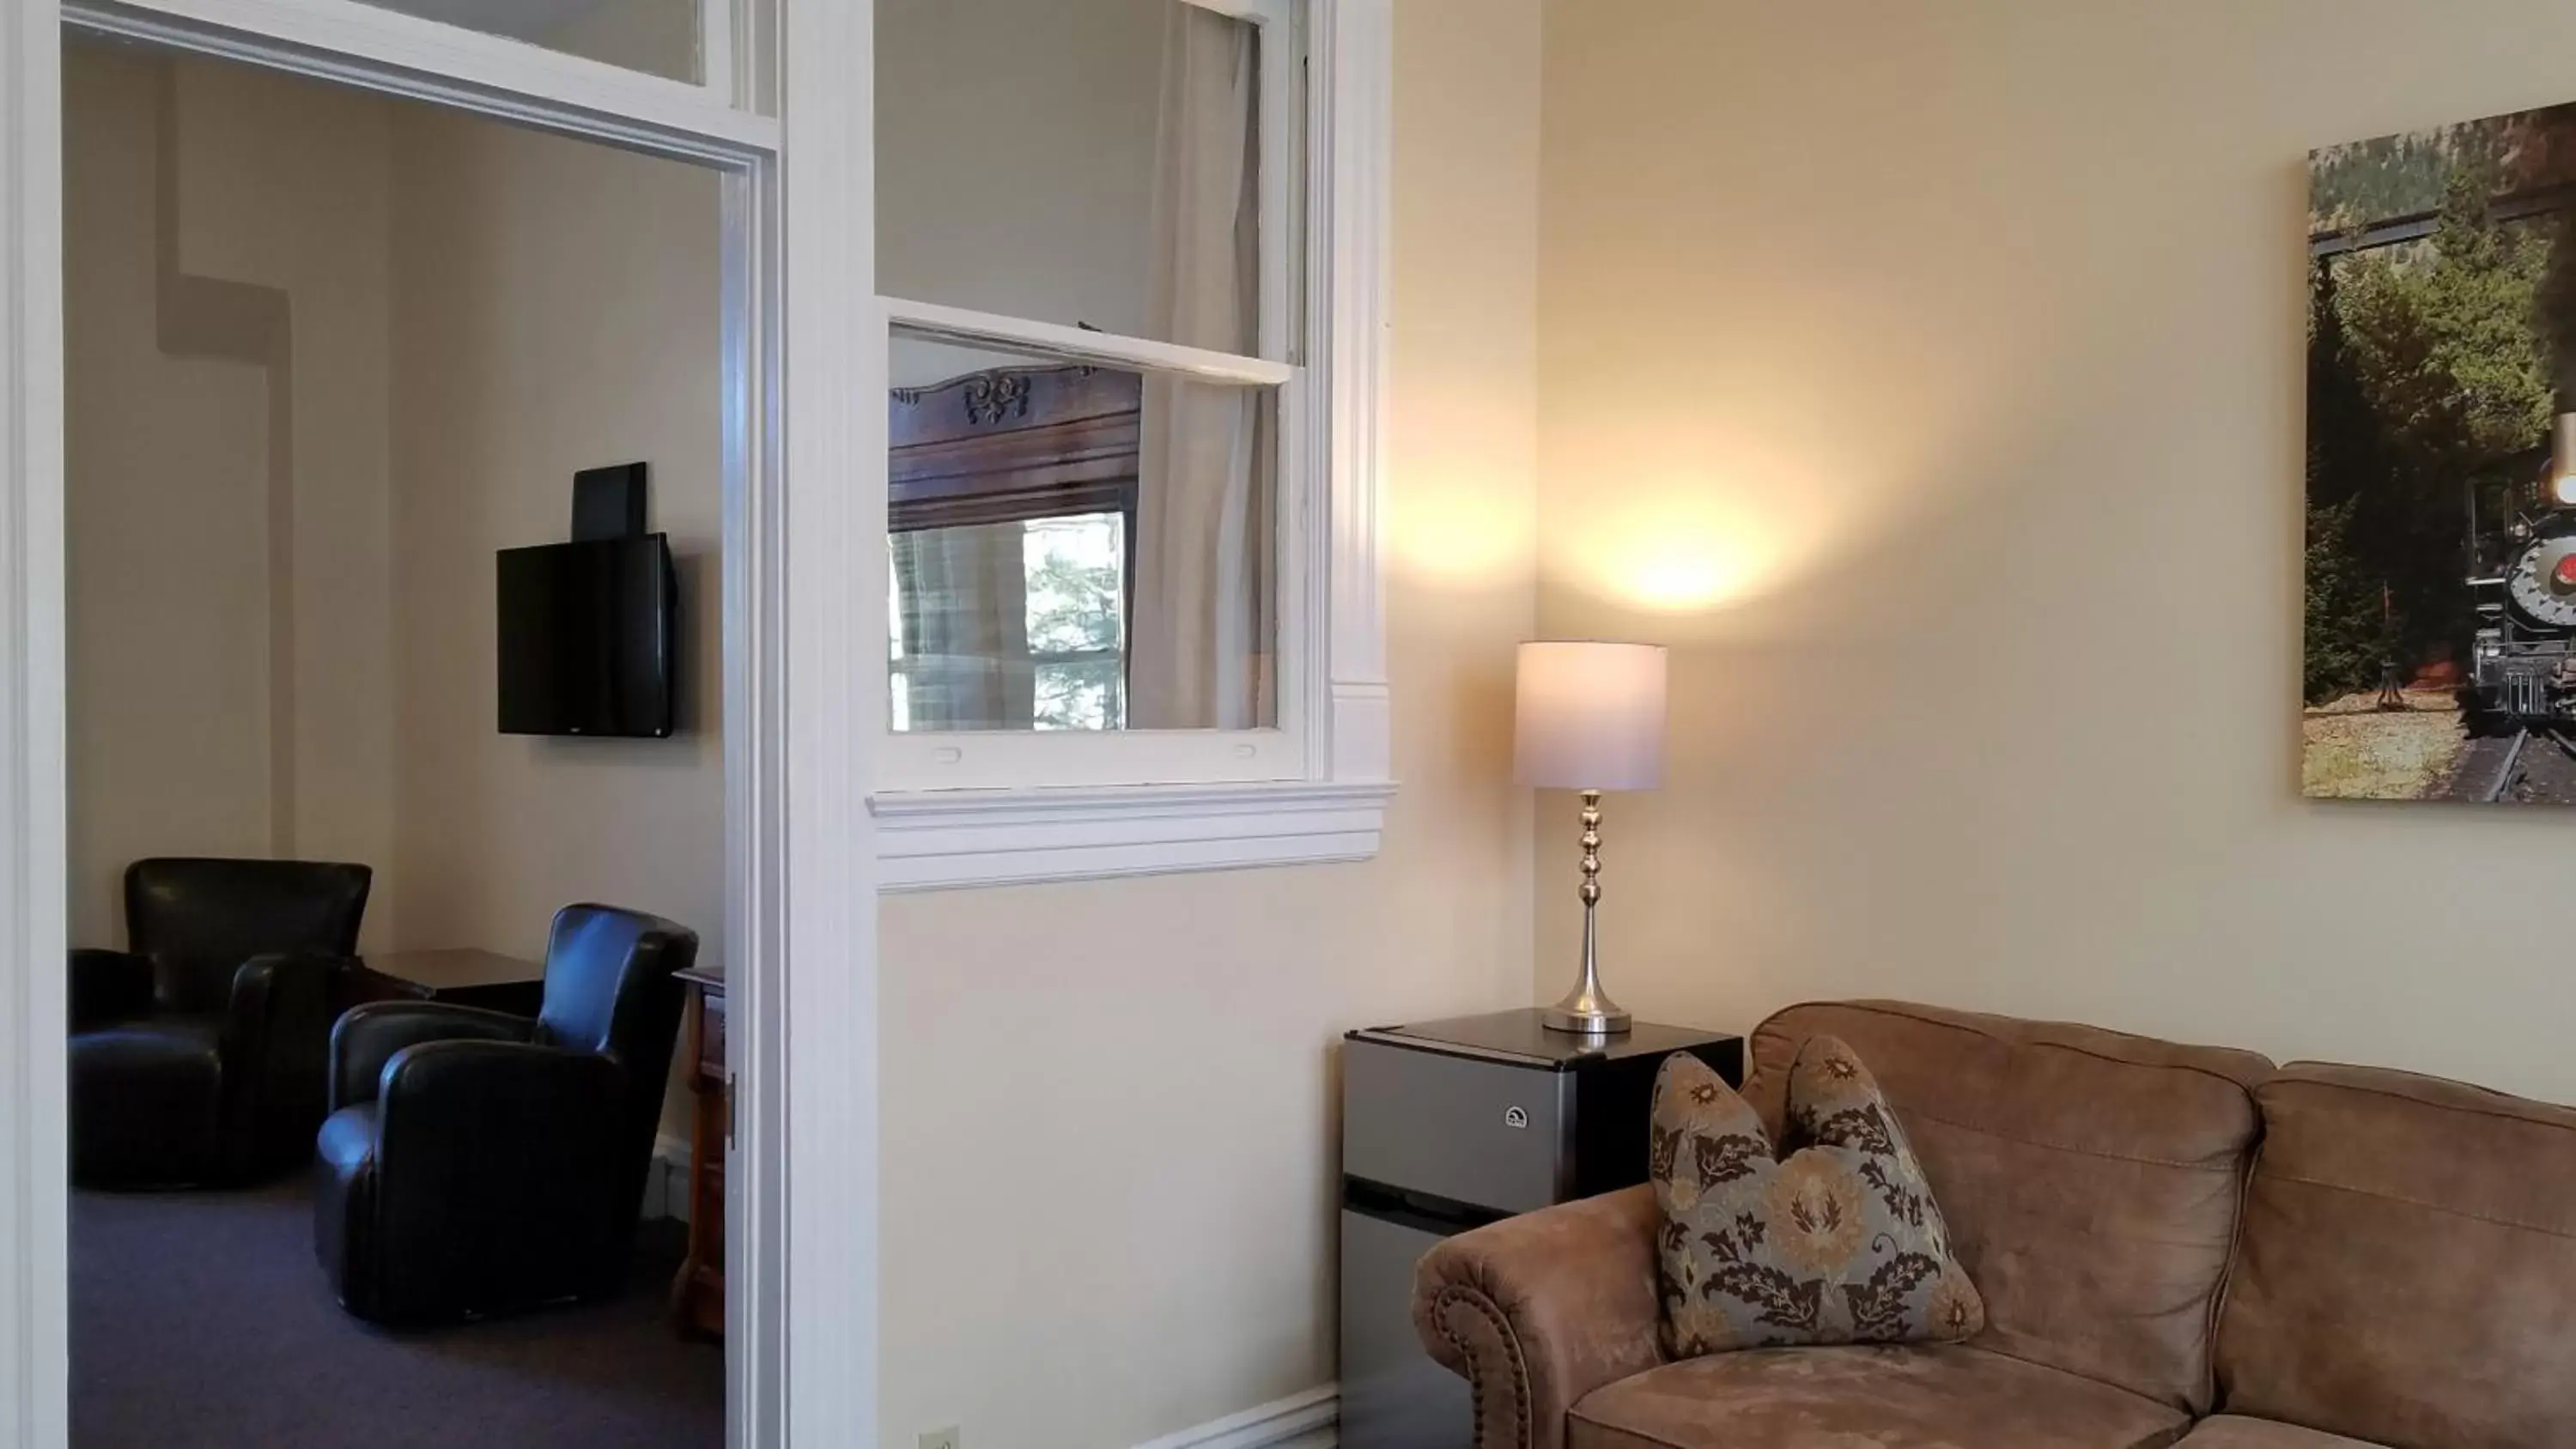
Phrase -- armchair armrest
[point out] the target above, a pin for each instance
(282, 1004)
(108, 986)
(277, 1041)
(1537, 1311)
(367, 1038)
(504, 1088)
(504, 1142)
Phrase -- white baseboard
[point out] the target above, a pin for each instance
(666, 1184)
(1299, 1421)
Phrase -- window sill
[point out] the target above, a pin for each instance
(949, 839)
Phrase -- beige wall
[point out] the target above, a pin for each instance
(232, 686)
(284, 186)
(1930, 377)
(167, 530)
(1109, 1122)
(1016, 150)
(556, 307)
(473, 313)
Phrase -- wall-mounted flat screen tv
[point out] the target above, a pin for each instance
(589, 632)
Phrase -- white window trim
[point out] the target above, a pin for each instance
(1081, 344)
(387, 50)
(1316, 789)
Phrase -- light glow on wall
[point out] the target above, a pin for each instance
(1456, 535)
(1765, 500)
(1692, 541)
(1684, 556)
(1461, 505)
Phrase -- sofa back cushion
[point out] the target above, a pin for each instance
(2091, 1180)
(2408, 1272)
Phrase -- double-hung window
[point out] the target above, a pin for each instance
(1128, 263)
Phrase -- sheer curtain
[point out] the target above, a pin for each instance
(1202, 626)
(966, 627)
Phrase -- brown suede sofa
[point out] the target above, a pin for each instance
(2176, 1245)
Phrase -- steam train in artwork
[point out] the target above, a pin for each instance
(2522, 580)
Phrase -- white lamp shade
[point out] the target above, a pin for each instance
(1591, 716)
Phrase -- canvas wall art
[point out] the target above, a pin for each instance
(2440, 632)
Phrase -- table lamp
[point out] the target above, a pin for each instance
(1590, 718)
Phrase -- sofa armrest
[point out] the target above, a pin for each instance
(108, 986)
(368, 1037)
(1539, 1310)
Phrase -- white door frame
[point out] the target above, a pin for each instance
(800, 854)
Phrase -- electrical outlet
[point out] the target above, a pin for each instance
(940, 1438)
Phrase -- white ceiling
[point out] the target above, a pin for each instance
(522, 18)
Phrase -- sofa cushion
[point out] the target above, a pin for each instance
(1833, 1238)
(2090, 1180)
(2229, 1432)
(2408, 1274)
(1932, 1396)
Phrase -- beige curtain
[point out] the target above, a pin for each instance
(1200, 638)
(966, 627)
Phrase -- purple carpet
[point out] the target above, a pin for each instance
(201, 1321)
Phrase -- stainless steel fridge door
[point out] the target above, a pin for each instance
(1393, 1395)
(1486, 1133)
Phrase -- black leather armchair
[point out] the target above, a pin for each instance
(197, 1055)
(475, 1162)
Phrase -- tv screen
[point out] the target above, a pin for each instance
(587, 638)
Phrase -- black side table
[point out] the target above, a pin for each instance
(466, 977)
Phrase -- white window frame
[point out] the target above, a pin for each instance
(733, 52)
(973, 809)
(800, 857)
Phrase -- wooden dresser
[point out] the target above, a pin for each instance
(698, 1296)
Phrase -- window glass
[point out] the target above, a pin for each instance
(1077, 547)
(659, 37)
(1093, 163)
(1073, 619)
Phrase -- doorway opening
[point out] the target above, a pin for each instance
(334, 361)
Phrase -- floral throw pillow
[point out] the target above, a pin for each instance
(1833, 1238)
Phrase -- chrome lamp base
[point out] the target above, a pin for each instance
(1587, 1010)
(1578, 1015)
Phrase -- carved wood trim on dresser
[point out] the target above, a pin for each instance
(1011, 444)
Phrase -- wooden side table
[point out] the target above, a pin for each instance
(698, 1295)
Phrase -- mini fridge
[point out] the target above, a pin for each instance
(1447, 1126)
